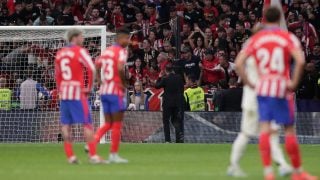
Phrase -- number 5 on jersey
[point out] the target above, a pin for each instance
(65, 68)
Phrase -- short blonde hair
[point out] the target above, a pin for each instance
(71, 33)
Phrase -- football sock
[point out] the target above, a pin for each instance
(115, 136)
(292, 148)
(276, 152)
(238, 148)
(264, 146)
(102, 131)
(68, 149)
(92, 148)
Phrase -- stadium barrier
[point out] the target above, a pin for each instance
(145, 127)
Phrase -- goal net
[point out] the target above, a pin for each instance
(28, 96)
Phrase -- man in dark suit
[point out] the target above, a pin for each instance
(173, 101)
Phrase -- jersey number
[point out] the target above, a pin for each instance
(275, 59)
(107, 70)
(65, 68)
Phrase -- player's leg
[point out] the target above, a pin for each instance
(276, 151)
(66, 121)
(265, 149)
(117, 109)
(292, 147)
(80, 113)
(249, 128)
(265, 106)
(166, 115)
(291, 141)
(178, 124)
(68, 149)
(285, 116)
(107, 125)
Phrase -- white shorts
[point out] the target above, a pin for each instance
(250, 123)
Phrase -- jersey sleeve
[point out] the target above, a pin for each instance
(86, 60)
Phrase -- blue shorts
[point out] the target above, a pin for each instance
(112, 104)
(277, 109)
(75, 112)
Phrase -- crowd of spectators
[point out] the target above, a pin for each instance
(212, 33)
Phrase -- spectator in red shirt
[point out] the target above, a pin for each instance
(309, 32)
(137, 72)
(210, 74)
(209, 9)
(153, 74)
(305, 41)
(163, 61)
(117, 17)
(137, 37)
(228, 68)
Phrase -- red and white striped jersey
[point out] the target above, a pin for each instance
(109, 61)
(74, 72)
(271, 49)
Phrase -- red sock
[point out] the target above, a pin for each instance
(68, 149)
(265, 151)
(115, 136)
(292, 148)
(92, 148)
(92, 143)
(102, 131)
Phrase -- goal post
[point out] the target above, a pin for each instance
(25, 49)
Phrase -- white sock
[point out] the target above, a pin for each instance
(276, 151)
(238, 148)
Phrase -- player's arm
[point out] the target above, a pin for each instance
(86, 60)
(122, 73)
(57, 72)
(122, 58)
(240, 68)
(299, 59)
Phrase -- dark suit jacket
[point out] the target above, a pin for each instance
(173, 90)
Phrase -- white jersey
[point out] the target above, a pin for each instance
(249, 96)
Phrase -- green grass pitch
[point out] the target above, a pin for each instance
(147, 162)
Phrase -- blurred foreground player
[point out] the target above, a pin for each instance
(70, 62)
(272, 48)
(250, 126)
(112, 63)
